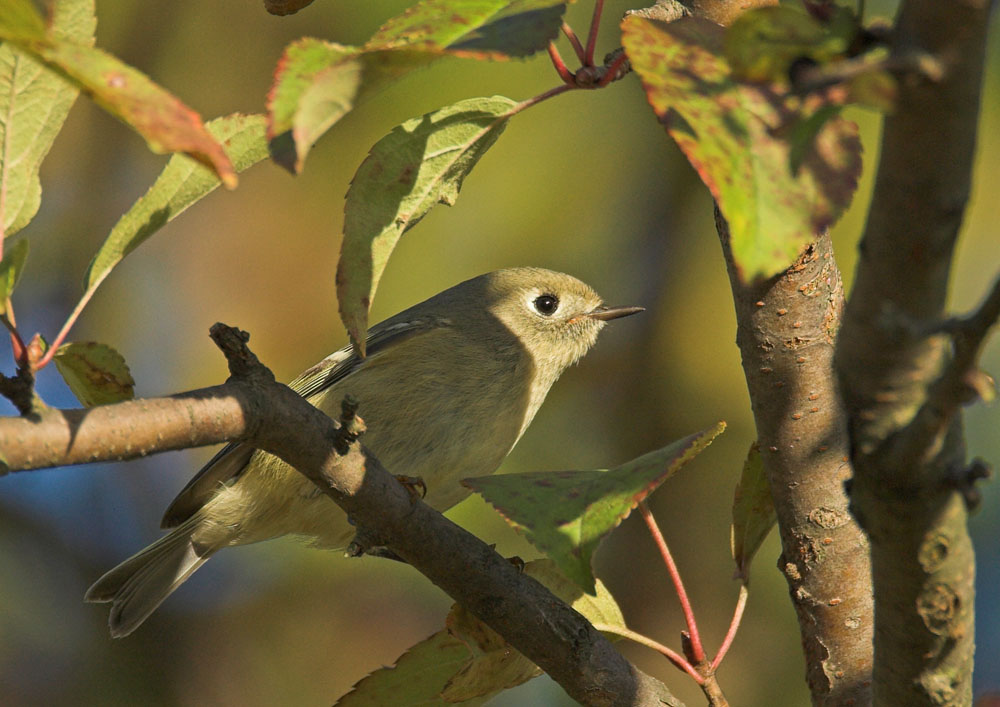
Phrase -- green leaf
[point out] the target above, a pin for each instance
(34, 103)
(419, 164)
(566, 514)
(181, 183)
(315, 85)
(469, 662)
(96, 373)
(753, 513)
(493, 665)
(762, 44)
(733, 135)
(10, 270)
(417, 678)
(162, 119)
(20, 18)
(599, 608)
(317, 82)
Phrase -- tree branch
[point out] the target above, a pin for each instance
(252, 407)
(904, 492)
(786, 328)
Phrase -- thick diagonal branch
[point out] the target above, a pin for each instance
(252, 407)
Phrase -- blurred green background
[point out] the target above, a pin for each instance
(587, 183)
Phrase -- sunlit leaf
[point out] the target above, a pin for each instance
(162, 119)
(566, 514)
(10, 269)
(493, 665)
(96, 373)
(315, 85)
(181, 183)
(597, 608)
(416, 679)
(733, 135)
(419, 164)
(34, 103)
(469, 663)
(753, 513)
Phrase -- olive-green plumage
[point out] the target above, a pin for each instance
(446, 389)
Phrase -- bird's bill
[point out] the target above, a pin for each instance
(608, 313)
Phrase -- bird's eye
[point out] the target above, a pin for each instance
(546, 304)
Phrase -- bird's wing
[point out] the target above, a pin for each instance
(227, 465)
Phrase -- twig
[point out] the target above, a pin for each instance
(595, 26)
(67, 325)
(697, 651)
(557, 61)
(20, 351)
(575, 41)
(673, 656)
(614, 69)
(734, 626)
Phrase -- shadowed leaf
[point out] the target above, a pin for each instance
(34, 103)
(481, 29)
(566, 514)
(96, 373)
(419, 164)
(753, 513)
(181, 183)
(285, 7)
(734, 136)
(163, 120)
(10, 270)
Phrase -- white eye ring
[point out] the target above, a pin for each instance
(546, 304)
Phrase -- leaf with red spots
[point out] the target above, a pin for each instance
(739, 137)
(422, 162)
(96, 373)
(566, 514)
(166, 123)
(753, 513)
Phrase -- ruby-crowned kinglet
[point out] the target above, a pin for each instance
(446, 390)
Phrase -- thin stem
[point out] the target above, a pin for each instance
(557, 61)
(612, 70)
(673, 656)
(734, 625)
(64, 332)
(575, 41)
(545, 95)
(697, 651)
(16, 342)
(595, 25)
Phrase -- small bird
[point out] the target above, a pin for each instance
(447, 388)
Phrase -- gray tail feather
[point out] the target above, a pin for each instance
(142, 582)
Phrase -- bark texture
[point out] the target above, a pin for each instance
(905, 428)
(786, 331)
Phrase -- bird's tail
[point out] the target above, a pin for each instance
(140, 584)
